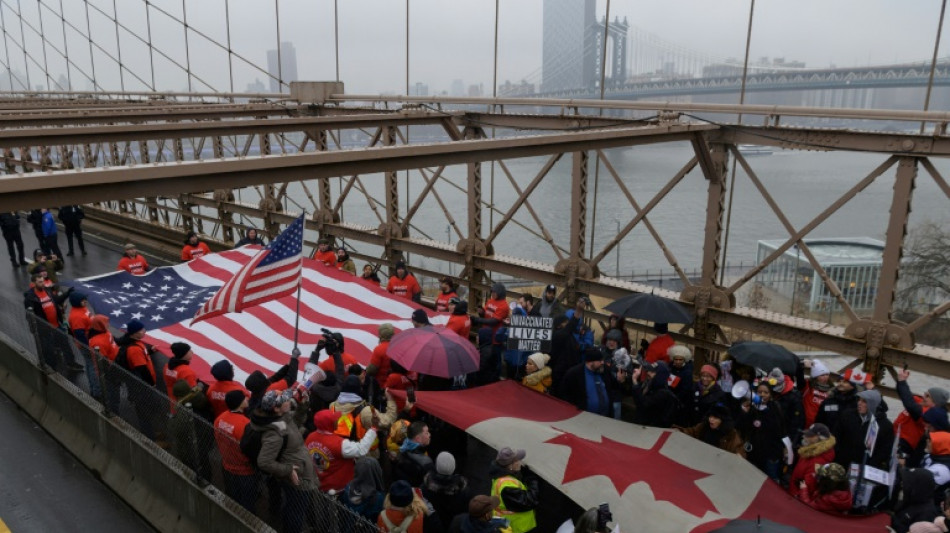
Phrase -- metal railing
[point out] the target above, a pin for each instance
(183, 430)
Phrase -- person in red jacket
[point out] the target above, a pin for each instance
(100, 337)
(816, 390)
(132, 261)
(831, 494)
(178, 368)
(459, 321)
(818, 448)
(910, 420)
(138, 361)
(379, 363)
(333, 455)
(324, 254)
(79, 317)
(240, 478)
(404, 284)
(223, 373)
(496, 311)
(658, 347)
(193, 248)
(446, 293)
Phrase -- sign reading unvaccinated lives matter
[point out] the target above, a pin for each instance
(530, 333)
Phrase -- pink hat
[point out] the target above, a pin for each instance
(711, 370)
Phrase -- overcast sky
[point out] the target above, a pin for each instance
(450, 39)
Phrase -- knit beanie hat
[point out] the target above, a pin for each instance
(819, 369)
(420, 316)
(939, 395)
(352, 385)
(257, 382)
(233, 399)
(76, 298)
(539, 359)
(386, 331)
(711, 370)
(273, 399)
(937, 417)
(445, 463)
(180, 349)
(134, 326)
(400, 494)
(222, 370)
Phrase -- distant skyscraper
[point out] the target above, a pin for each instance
(568, 44)
(288, 66)
(458, 88)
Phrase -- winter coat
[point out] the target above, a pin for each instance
(810, 456)
(564, 356)
(49, 225)
(515, 499)
(449, 495)
(836, 501)
(71, 215)
(850, 435)
(539, 381)
(790, 400)
(10, 222)
(656, 404)
(703, 399)
(553, 309)
(764, 430)
(274, 428)
(829, 413)
(726, 438)
(574, 388)
(917, 504)
(412, 466)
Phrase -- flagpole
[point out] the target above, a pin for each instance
(295, 353)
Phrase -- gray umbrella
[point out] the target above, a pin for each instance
(759, 525)
(650, 307)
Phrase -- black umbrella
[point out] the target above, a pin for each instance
(650, 307)
(759, 525)
(764, 356)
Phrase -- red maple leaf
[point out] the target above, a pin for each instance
(625, 465)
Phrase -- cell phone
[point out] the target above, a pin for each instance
(603, 516)
(411, 395)
(905, 365)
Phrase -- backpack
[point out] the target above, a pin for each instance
(122, 357)
(251, 444)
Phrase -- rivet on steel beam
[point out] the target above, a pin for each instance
(908, 145)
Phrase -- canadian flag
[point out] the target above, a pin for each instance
(657, 479)
(673, 381)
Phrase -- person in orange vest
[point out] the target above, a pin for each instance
(79, 322)
(404, 510)
(911, 420)
(516, 487)
(333, 455)
(138, 361)
(459, 321)
(132, 261)
(343, 261)
(323, 253)
(47, 305)
(404, 284)
(240, 478)
(379, 363)
(446, 293)
(178, 367)
(193, 248)
(101, 340)
(223, 373)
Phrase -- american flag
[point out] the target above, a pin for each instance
(273, 273)
(260, 338)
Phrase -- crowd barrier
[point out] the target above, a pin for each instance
(160, 456)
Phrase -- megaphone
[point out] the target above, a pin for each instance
(740, 389)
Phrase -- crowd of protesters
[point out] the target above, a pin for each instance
(345, 432)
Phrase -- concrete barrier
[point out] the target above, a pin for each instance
(148, 478)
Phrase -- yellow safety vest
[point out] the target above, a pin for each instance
(520, 522)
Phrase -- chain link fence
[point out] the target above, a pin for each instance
(183, 429)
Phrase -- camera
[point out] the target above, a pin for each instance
(332, 342)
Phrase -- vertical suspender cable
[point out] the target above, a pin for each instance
(92, 58)
(49, 79)
(603, 80)
(6, 49)
(407, 93)
(280, 61)
(227, 22)
(336, 37)
(732, 179)
(118, 46)
(494, 94)
(184, 19)
(69, 76)
(151, 48)
(26, 57)
(933, 62)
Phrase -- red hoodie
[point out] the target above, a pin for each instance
(836, 501)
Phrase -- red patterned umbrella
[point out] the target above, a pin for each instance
(435, 351)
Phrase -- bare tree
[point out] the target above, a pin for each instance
(925, 273)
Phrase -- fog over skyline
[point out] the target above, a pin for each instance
(448, 39)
